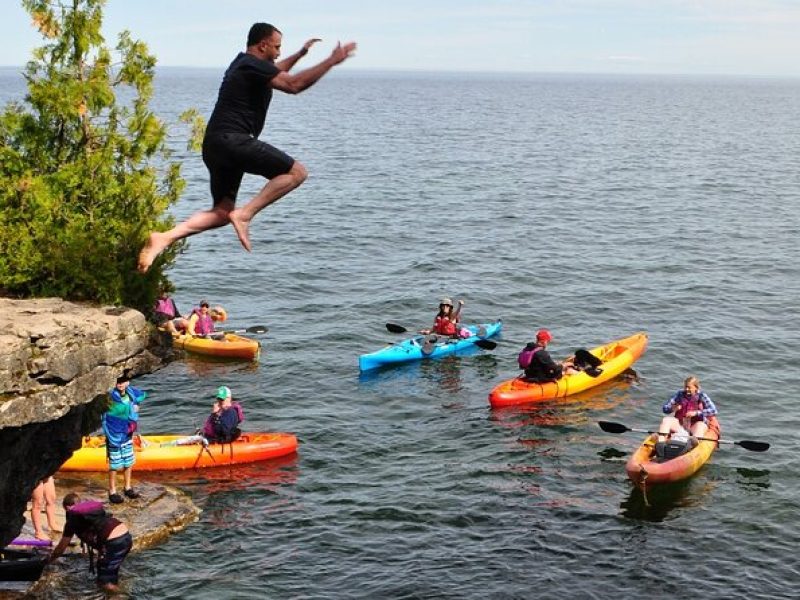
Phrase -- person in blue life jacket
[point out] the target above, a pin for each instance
(222, 425)
(537, 363)
(101, 532)
(119, 423)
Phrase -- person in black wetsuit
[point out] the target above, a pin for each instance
(541, 367)
(231, 146)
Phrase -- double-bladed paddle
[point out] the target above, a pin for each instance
(480, 343)
(253, 329)
(746, 444)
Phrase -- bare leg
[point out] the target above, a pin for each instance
(37, 500)
(112, 482)
(276, 188)
(699, 429)
(669, 425)
(49, 489)
(126, 476)
(197, 223)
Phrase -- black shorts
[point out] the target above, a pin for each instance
(110, 560)
(229, 156)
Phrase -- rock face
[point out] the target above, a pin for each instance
(58, 361)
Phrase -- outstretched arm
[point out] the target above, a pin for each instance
(59, 549)
(294, 84)
(287, 63)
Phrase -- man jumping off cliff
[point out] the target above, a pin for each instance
(231, 146)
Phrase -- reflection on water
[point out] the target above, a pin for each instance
(665, 500)
(216, 367)
(753, 478)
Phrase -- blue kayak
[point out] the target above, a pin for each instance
(427, 346)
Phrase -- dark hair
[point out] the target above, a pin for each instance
(204, 303)
(70, 500)
(260, 31)
(123, 377)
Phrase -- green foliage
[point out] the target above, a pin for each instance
(84, 169)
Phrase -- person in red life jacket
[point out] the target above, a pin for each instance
(101, 532)
(166, 314)
(539, 367)
(446, 321)
(201, 321)
(231, 145)
(691, 412)
(222, 425)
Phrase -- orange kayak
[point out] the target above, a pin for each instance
(231, 346)
(645, 472)
(616, 356)
(163, 453)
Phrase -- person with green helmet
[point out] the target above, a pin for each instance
(222, 425)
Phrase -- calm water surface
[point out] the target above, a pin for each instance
(593, 206)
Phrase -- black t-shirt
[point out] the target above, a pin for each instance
(244, 97)
(543, 367)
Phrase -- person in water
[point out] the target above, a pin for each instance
(447, 321)
(222, 425)
(690, 412)
(538, 365)
(231, 146)
(101, 532)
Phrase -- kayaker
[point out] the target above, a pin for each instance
(537, 363)
(101, 532)
(166, 314)
(231, 145)
(119, 423)
(222, 425)
(201, 321)
(691, 412)
(446, 321)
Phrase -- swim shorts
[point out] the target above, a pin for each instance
(120, 457)
(229, 156)
(114, 552)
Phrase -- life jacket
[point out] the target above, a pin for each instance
(222, 426)
(444, 326)
(686, 404)
(92, 524)
(526, 355)
(204, 325)
(165, 306)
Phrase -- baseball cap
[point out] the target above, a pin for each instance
(544, 336)
(223, 392)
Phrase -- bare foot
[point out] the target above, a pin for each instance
(241, 227)
(42, 536)
(156, 244)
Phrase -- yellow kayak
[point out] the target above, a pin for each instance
(645, 471)
(230, 346)
(167, 452)
(616, 356)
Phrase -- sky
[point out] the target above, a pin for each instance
(695, 37)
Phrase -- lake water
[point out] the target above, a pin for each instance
(593, 206)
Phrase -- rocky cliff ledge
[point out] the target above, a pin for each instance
(58, 359)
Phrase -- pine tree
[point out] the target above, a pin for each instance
(84, 169)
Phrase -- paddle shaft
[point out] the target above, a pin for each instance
(752, 445)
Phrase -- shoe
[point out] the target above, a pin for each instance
(115, 498)
(131, 493)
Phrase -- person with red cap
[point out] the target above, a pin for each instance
(539, 367)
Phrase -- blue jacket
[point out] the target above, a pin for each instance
(120, 414)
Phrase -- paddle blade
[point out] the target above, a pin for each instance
(486, 344)
(754, 446)
(612, 427)
(257, 329)
(395, 328)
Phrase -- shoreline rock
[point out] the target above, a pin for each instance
(59, 360)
